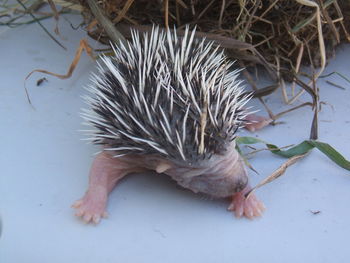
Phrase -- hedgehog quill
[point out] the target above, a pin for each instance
(172, 105)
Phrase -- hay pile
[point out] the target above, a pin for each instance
(280, 35)
(277, 29)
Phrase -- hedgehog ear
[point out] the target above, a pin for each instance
(162, 167)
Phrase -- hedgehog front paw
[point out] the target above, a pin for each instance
(92, 207)
(249, 207)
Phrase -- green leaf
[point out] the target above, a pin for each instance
(300, 149)
(331, 153)
(248, 140)
(245, 159)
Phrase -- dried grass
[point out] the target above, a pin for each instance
(281, 35)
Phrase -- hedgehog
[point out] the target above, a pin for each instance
(172, 105)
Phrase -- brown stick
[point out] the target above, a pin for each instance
(166, 13)
(280, 171)
(82, 46)
(108, 26)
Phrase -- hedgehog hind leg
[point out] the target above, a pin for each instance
(105, 172)
(249, 207)
(256, 122)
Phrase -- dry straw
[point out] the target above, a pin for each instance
(282, 36)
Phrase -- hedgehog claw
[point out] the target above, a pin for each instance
(249, 207)
(77, 203)
(91, 208)
(104, 174)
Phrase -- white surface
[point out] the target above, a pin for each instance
(44, 168)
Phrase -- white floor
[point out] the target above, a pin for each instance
(44, 168)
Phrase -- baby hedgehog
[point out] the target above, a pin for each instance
(172, 105)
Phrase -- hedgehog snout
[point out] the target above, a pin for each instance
(219, 185)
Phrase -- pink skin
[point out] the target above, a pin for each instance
(221, 176)
(256, 122)
(249, 207)
(105, 173)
